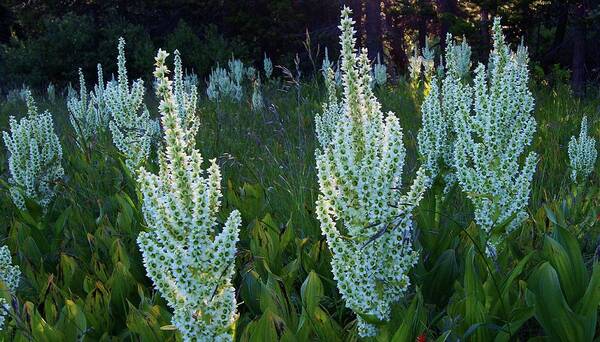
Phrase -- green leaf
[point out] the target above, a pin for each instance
(591, 299)
(311, 292)
(475, 312)
(436, 283)
(551, 309)
(408, 330)
(571, 271)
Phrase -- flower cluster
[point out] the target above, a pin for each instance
(582, 153)
(183, 102)
(51, 92)
(439, 107)
(415, 64)
(268, 66)
(326, 123)
(433, 136)
(190, 260)
(131, 127)
(83, 115)
(494, 126)
(236, 69)
(190, 82)
(99, 100)
(380, 72)
(367, 224)
(257, 98)
(35, 156)
(9, 280)
(428, 61)
(223, 84)
(458, 57)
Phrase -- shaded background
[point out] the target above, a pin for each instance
(46, 41)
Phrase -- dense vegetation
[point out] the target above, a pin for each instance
(120, 170)
(37, 38)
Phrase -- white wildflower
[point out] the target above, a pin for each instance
(131, 127)
(367, 224)
(582, 153)
(189, 259)
(35, 157)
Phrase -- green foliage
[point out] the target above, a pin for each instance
(83, 278)
(203, 52)
(563, 293)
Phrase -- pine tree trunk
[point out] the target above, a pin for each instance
(357, 14)
(578, 62)
(373, 28)
(394, 33)
(446, 11)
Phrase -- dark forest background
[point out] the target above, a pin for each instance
(46, 41)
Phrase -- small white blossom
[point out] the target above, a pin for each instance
(251, 73)
(70, 92)
(582, 153)
(131, 127)
(189, 259)
(35, 156)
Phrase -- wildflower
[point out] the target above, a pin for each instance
(251, 73)
(492, 132)
(190, 260)
(582, 153)
(367, 224)
(427, 59)
(99, 101)
(83, 116)
(184, 103)
(448, 95)
(268, 66)
(223, 84)
(35, 156)
(380, 72)
(190, 82)
(415, 64)
(131, 127)
(51, 92)
(458, 57)
(9, 278)
(326, 65)
(257, 99)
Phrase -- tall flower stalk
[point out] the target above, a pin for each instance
(131, 127)
(494, 127)
(9, 281)
(189, 259)
(83, 115)
(366, 221)
(35, 156)
(582, 153)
